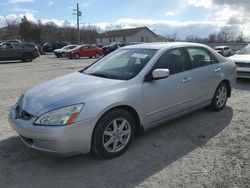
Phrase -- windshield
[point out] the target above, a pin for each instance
(123, 64)
(245, 50)
(65, 47)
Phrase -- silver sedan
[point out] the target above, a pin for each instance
(135, 88)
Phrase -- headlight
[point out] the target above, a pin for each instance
(61, 116)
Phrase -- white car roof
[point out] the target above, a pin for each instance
(160, 45)
(221, 46)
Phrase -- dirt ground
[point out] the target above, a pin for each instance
(202, 149)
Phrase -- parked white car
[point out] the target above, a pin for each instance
(223, 50)
(242, 61)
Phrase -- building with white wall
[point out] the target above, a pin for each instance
(139, 34)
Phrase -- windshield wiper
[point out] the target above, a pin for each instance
(100, 75)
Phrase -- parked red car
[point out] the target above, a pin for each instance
(84, 51)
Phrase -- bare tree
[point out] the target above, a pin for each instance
(172, 37)
(12, 28)
(240, 38)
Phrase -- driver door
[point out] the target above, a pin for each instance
(6, 51)
(169, 96)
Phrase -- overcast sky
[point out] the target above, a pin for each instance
(165, 17)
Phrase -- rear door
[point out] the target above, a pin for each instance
(169, 96)
(206, 73)
(18, 50)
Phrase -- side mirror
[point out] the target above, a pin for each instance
(157, 74)
(160, 73)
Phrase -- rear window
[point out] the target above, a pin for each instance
(218, 48)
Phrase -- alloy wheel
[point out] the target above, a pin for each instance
(116, 135)
(221, 96)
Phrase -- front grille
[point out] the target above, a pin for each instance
(243, 74)
(242, 64)
(21, 114)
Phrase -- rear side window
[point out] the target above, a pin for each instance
(173, 60)
(28, 45)
(226, 48)
(200, 57)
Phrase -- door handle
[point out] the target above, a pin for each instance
(185, 80)
(217, 70)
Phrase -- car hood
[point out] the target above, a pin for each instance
(240, 58)
(63, 91)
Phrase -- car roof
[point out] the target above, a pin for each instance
(160, 45)
(221, 46)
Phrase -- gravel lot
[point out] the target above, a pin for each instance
(203, 149)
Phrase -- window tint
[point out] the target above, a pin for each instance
(17, 46)
(29, 46)
(6, 46)
(200, 57)
(173, 60)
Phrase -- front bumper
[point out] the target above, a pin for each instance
(60, 140)
(243, 72)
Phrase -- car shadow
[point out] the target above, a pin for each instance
(243, 84)
(149, 154)
(12, 62)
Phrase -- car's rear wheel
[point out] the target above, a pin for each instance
(113, 133)
(97, 55)
(220, 97)
(27, 58)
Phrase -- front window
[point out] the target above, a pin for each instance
(123, 64)
(6, 46)
(173, 60)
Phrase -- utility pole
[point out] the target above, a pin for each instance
(78, 14)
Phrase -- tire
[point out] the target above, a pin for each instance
(220, 97)
(63, 55)
(77, 56)
(97, 55)
(27, 58)
(108, 140)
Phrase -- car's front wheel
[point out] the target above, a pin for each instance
(113, 133)
(97, 55)
(220, 97)
(77, 56)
